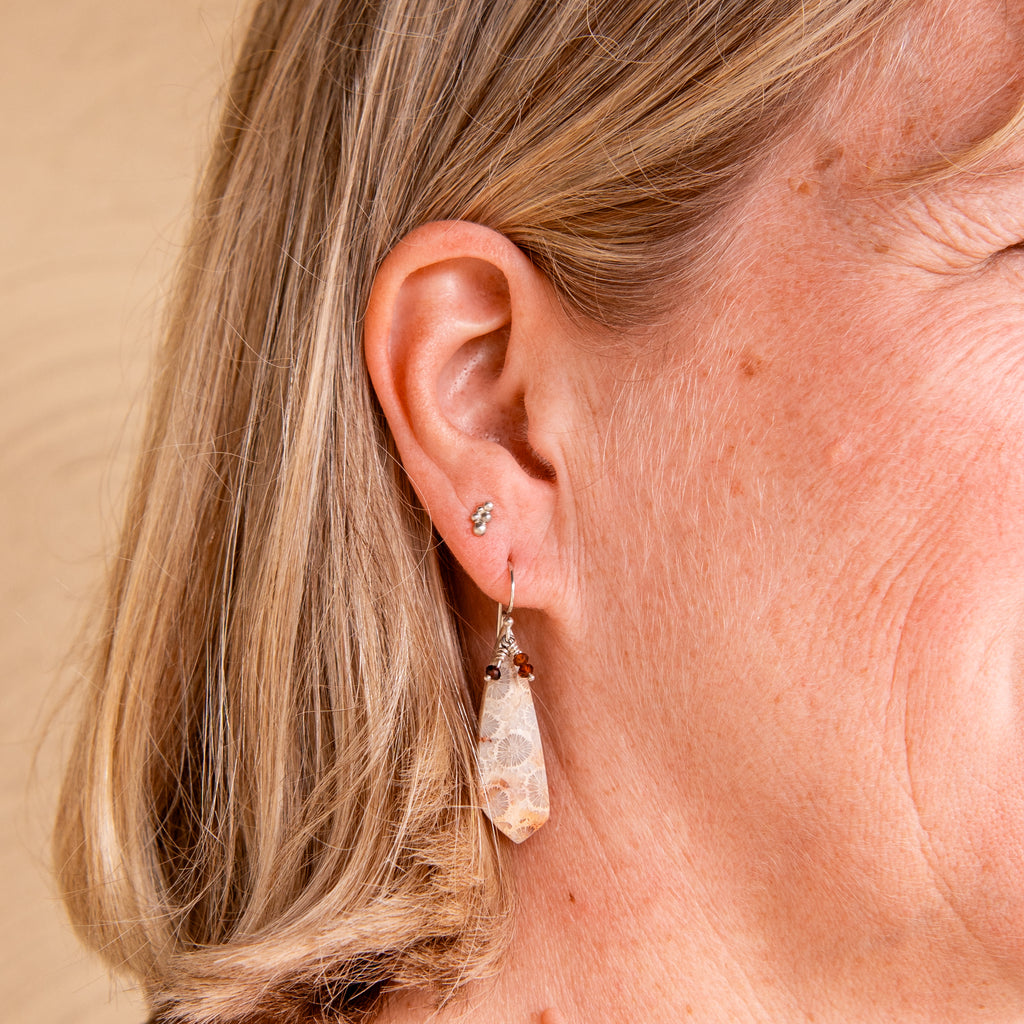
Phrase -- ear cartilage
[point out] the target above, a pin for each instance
(481, 517)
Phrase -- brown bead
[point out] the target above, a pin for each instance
(526, 670)
(492, 672)
(519, 659)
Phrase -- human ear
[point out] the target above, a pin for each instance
(458, 337)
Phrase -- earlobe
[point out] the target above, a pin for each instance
(450, 338)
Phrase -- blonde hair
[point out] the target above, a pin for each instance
(269, 811)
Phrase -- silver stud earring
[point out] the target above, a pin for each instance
(481, 517)
(510, 759)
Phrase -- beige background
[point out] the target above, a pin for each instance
(105, 106)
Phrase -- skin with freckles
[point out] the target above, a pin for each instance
(771, 576)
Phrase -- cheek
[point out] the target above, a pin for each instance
(826, 504)
(892, 427)
(918, 465)
(900, 461)
(961, 661)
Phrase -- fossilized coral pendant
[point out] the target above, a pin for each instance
(513, 781)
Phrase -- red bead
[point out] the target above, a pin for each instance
(526, 670)
(492, 672)
(519, 659)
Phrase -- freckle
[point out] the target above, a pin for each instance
(881, 247)
(803, 186)
(572, 899)
(828, 158)
(736, 489)
(751, 363)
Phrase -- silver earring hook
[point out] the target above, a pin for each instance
(505, 614)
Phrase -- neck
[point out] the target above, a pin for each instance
(617, 918)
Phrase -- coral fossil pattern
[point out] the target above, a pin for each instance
(513, 782)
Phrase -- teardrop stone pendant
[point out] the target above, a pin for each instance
(513, 782)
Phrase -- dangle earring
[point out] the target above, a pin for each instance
(510, 759)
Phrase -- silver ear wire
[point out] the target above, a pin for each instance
(481, 517)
